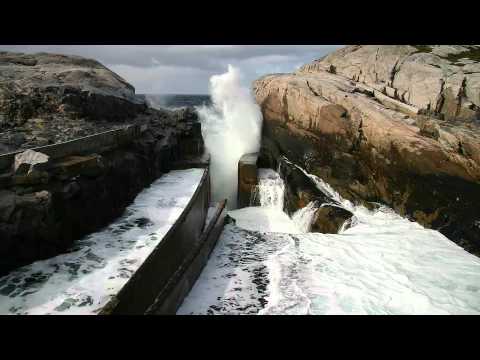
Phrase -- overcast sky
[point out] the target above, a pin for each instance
(186, 69)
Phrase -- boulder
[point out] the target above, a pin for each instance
(300, 191)
(7, 205)
(330, 219)
(32, 177)
(29, 160)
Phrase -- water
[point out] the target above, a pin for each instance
(176, 101)
(270, 215)
(270, 190)
(383, 264)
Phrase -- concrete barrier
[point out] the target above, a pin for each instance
(156, 274)
(247, 178)
(96, 143)
(179, 286)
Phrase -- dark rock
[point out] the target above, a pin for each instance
(330, 219)
(28, 161)
(7, 205)
(300, 191)
(18, 139)
(33, 177)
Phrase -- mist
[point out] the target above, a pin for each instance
(231, 127)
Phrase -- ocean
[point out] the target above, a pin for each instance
(175, 101)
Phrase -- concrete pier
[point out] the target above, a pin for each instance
(247, 178)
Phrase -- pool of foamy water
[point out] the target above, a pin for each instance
(383, 264)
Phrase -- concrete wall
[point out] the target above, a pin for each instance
(179, 286)
(96, 143)
(247, 178)
(157, 272)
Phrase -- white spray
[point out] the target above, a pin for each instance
(231, 127)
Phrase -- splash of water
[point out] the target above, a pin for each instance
(270, 191)
(231, 127)
(269, 216)
(304, 217)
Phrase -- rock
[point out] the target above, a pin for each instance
(70, 83)
(7, 205)
(17, 139)
(247, 178)
(5, 180)
(33, 177)
(423, 75)
(430, 129)
(29, 160)
(71, 189)
(330, 219)
(71, 166)
(419, 152)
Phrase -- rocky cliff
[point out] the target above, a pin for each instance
(47, 98)
(46, 203)
(392, 124)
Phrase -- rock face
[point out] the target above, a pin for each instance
(392, 124)
(443, 81)
(48, 98)
(301, 191)
(47, 204)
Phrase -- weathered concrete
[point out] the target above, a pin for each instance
(172, 296)
(247, 178)
(161, 267)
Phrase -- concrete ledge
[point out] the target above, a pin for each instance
(154, 275)
(172, 296)
(247, 178)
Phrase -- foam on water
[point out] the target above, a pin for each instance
(383, 264)
(84, 280)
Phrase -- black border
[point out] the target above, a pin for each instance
(240, 23)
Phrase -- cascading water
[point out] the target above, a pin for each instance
(231, 127)
(270, 191)
(304, 217)
(269, 216)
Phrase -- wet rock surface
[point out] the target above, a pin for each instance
(347, 119)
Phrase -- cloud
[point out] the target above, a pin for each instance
(186, 68)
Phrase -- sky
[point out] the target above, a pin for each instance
(186, 69)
